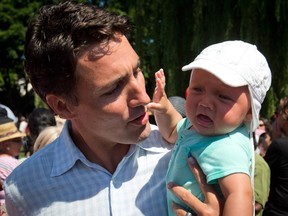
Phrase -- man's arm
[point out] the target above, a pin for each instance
(212, 204)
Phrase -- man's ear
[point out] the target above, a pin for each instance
(60, 106)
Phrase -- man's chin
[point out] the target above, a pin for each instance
(145, 132)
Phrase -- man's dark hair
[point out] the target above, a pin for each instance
(57, 36)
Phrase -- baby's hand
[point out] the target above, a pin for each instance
(159, 91)
(160, 99)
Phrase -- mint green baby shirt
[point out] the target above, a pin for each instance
(218, 156)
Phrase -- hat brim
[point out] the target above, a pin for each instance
(12, 136)
(226, 74)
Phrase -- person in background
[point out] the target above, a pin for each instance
(46, 136)
(264, 131)
(179, 104)
(262, 171)
(228, 83)
(10, 146)
(59, 121)
(261, 184)
(22, 124)
(256, 136)
(10, 113)
(108, 159)
(38, 119)
(262, 123)
(280, 124)
(277, 159)
(265, 140)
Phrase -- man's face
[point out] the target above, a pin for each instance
(111, 97)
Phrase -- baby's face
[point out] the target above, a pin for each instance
(214, 107)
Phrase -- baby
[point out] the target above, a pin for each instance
(228, 83)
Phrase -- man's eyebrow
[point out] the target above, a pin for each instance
(113, 82)
(117, 80)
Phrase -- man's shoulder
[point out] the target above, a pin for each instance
(30, 169)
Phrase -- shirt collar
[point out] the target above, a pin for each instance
(155, 143)
(67, 153)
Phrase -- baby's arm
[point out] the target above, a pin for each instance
(238, 194)
(165, 114)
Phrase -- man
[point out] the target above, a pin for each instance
(277, 159)
(108, 160)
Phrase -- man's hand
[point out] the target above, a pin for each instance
(211, 206)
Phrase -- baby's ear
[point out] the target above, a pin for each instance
(248, 117)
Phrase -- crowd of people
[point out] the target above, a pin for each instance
(272, 146)
(106, 157)
(17, 143)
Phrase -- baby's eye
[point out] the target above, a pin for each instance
(197, 89)
(224, 97)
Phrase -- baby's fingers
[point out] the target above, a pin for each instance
(160, 76)
(155, 107)
(159, 91)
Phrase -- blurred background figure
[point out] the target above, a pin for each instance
(10, 147)
(261, 184)
(10, 113)
(256, 137)
(60, 121)
(179, 103)
(265, 139)
(39, 119)
(262, 123)
(22, 124)
(277, 159)
(46, 136)
(280, 124)
(262, 171)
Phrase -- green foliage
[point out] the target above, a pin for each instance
(179, 30)
(169, 34)
(15, 16)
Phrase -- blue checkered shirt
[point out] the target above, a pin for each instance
(59, 180)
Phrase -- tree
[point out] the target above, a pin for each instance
(13, 23)
(170, 34)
